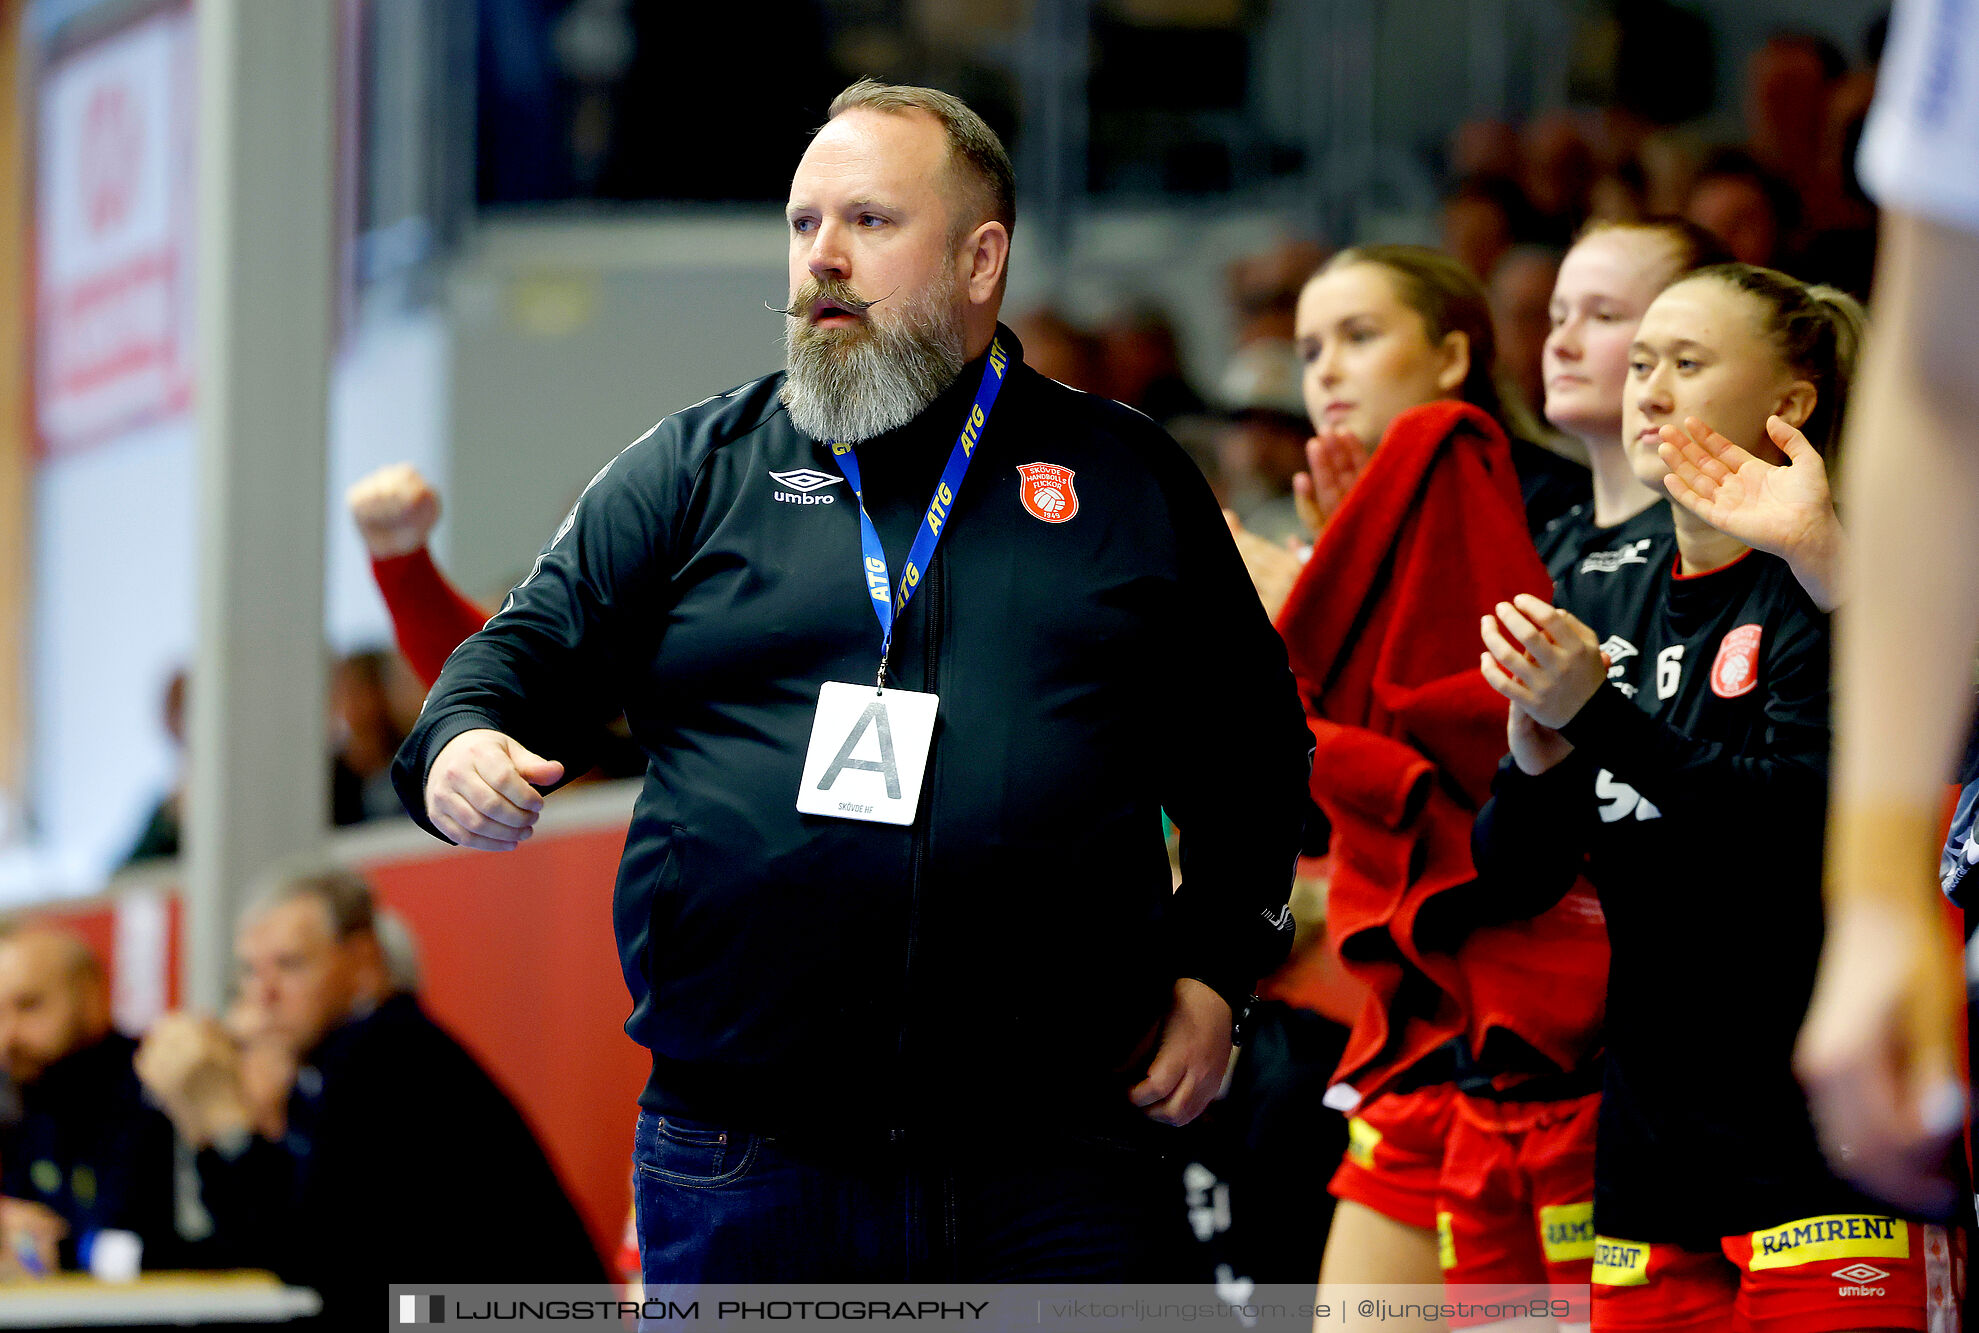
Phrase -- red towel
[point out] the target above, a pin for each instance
(1382, 632)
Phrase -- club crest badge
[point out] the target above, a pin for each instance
(1046, 490)
(1737, 669)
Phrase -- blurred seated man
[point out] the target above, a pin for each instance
(87, 1154)
(348, 1198)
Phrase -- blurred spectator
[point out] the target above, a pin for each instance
(347, 1198)
(162, 828)
(1484, 148)
(1264, 289)
(1483, 217)
(373, 700)
(268, 1059)
(1669, 159)
(367, 736)
(1059, 349)
(1842, 252)
(1754, 212)
(1143, 364)
(1262, 445)
(88, 1153)
(1619, 194)
(1521, 291)
(1787, 84)
(1557, 170)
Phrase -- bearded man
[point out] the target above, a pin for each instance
(919, 644)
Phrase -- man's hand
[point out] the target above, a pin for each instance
(1552, 664)
(1335, 460)
(395, 509)
(267, 1067)
(480, 793)
(191, 1068)
(1192, 1058)
(1878, 1053)
(1785, 511)
(29, 1237)
(1535, 748)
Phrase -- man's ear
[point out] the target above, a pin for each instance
(1797, 403)
(1456, 354)
(986, 257)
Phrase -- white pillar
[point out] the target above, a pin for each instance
(258, 765)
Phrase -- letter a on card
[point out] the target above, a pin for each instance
(868, 753)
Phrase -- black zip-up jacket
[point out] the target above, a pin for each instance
(1695, 801)
(1016, 947)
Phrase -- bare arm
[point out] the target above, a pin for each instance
(1878, 1051)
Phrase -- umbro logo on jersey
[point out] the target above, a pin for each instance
(804, 480)
(1607, 562)
(1618, 649)
(1859, 1273)
(1858, 1277)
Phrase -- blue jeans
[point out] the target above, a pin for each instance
(716, 1206)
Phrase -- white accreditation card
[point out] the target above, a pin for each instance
(869, 752)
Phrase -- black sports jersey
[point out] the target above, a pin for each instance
(1572, 546)
(1695, 800)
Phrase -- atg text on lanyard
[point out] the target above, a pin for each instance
(889, 602)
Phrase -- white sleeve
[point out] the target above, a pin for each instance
(1920, 149)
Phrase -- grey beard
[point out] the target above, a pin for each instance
(850, 389)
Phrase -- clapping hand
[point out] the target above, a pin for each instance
(1551, 664)
(1335, 460)
(1769, 506)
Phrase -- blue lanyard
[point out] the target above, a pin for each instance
(887, 602)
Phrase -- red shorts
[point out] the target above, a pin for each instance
(1811, 1275)
(1395, 1149)
(1516, 1204)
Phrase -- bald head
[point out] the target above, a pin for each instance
(53, 1000)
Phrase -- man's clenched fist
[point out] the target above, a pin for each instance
(395, 509)
(481, 791)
